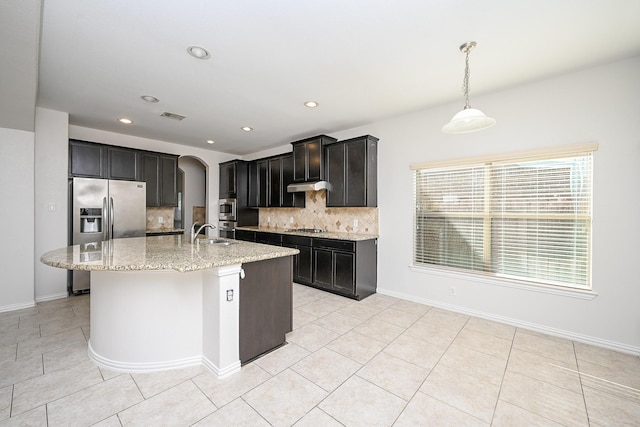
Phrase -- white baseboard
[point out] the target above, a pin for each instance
(52, 297)
(20, 306)
(612, 345)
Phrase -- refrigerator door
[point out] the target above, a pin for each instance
(127, 209)
(89, 217)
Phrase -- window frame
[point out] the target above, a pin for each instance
(526, 283)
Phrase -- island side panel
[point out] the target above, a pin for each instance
(146, 320)
(266, 309)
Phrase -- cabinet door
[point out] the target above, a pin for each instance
(335, 174)
(263, 183)
(304, 265)
(275, 183)
(254, 191)
(314, 163)
(287, 178)
(344, 272)
(151, 164)
(123, 164)
(245, 235)
(87, 160)
(356, 178)
(323, 267)
(228, 187)
(168, 190)
(300, 163)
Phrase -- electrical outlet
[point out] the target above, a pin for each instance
(355, 223)
(452, 291)
(290, 220)
(160, 220)
(268, 219)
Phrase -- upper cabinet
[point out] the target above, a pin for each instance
(229, 180)
(158, 170)
(308, 158)
(90, 160)
(124, 164)
(160, 174)
(351, 167)
(268, 181)
(87, 160)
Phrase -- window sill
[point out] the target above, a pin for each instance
(509, 283)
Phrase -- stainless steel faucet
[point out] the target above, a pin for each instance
(193, 235)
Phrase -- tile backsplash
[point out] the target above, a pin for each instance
(317, 215)
(159, 218)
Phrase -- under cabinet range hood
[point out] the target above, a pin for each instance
(308, 186)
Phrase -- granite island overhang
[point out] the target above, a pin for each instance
(162, 302)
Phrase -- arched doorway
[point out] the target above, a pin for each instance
(192, 193)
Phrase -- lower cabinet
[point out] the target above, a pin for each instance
(266, 306)
(345, 267)
(303, 262)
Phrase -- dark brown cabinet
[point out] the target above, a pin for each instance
(228, 181)
(160, 174)
(345, 267)
(308, 158)
(351, 169)
(266, 306)
(303, 262)
(268, 181)
(87, 159)
(245, 235)
(124, 164)
(158, 170)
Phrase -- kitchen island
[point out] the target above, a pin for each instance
(162, 302)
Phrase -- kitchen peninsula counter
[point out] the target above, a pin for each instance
(159, 253)
(162, 302)
(335, 235)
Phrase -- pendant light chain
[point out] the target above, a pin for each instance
(465, 85)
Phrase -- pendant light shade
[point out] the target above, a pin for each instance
(468, 119)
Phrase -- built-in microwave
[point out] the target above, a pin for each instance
(227, 210)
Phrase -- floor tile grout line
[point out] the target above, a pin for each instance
(504, 373)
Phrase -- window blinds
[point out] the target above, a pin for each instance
(526, 219)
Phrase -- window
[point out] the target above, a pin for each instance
(520, 216)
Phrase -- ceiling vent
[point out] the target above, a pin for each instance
(172, 116)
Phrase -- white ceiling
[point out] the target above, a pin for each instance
(362, 60)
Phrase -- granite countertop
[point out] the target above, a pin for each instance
(354, 237)
(160, 253)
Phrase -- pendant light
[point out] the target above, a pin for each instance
(468, 119)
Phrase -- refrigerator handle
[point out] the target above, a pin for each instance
(111, 219)
(105, 228)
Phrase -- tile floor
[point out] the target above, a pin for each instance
(381, 361)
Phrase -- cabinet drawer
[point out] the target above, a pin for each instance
(269, 238)
(343, 245)
(296, 240)
(247, 236)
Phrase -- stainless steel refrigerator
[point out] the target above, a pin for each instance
(104, 209)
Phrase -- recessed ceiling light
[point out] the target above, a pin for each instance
(311, 104)
(246, 128)
(210, 141)
(149, 98)
(198, 52)
(125, 121)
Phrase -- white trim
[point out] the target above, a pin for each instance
(221, 373)
(13, 307)
(544, 153)
(509, 283)
(612, 345)
(52, 297)
(132, 367)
